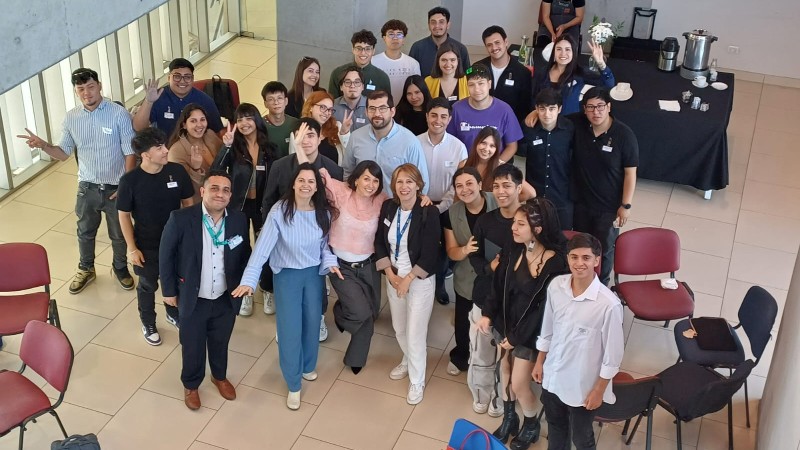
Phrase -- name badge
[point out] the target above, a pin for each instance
(452, 98)
(360, 120)
(464, 126)
(509, 82)
(606, 148)
(449, 163)
(370, 87)
(387, 223)
(234, 241)
(538, 142)
(169, 115)
(286, 140)
(583, 331)
(172, 184)
(107, 130)
(261, 168)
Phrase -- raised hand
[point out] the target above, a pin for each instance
(597, 52)
(196, 158)
(152, 92)
(346, 123)
(227, 138)
(33, 140)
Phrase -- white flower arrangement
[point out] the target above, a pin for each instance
(601, 31)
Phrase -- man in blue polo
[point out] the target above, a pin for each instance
(162, 107)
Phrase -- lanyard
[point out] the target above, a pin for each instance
(400, 233)
(215, 235)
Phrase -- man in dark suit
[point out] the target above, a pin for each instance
(204, 250)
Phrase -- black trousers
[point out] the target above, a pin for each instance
(146, 289)
(599, 224)
(459, 355)
(562, 417)
(357, 308)
(209, 328)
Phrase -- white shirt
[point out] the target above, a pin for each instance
(397, 70)
(403, 262)
(442, 159)
(583, 339)
(497, 72)
(212, 271)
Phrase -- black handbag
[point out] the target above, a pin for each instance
(77, 442)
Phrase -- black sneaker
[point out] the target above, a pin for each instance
(124, 277)
(173, 321)
(151, 334)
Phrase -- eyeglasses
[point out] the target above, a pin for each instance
(381, 109)
(176, 77)
(324, 109)
(599, 107)
(360, 49)
(275, 99)
(354, 83)
(396, 35)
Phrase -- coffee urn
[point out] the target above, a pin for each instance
(668, 56)
(698, 49)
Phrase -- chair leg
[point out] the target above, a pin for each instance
(635, 427)
(625, 428)
(649, 437)
(730, 424)
(61, 425)
(666, 323)
(55, 320)
(21, 435)
(746, 403)
(678, 426)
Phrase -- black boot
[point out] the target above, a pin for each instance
(527, 435)
(510, 425)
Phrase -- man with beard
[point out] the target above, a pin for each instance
(424, 50)
(385, 142)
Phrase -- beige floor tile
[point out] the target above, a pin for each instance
(780, 97)
(769, 231)
(166, 380)
(22, 222)
(777, 119)
(235, 72)
(55, 191)
(658, 187)
(41, 434)
(307, 443)
(267, 71)
(63, 255)
(714, 436)
(147, 411)
(739, 148)
(102, 297)
(269, 43)
(104, 379)
(80, 327)
(266, 374)
(413, 441)
(737, 176)
(649, 350)
(761, 265)
(741, 125)
(774, 170)
(612, 439)
(251, 335)
(704, 273)
(440, 327)
(341, 417)
(746, 103)
(702, 235)
(124, 333)
(69, 226)
(735, 291)
(771, 199)
(649, 207)
(8, 196)
(197, 445)
(255, 418)
(441, 367)
(747, 86)
(243, 53)
(384, 355)
(70, 167)
(250, 91)
(723, 206)
(775, 143)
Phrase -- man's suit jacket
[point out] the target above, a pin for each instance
(181, 254)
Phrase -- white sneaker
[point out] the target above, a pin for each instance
(269, 302)
(399, 372)
(151, 335)
(496, 408)
(293, 400)
(247, 306)
(415, 393)
(323, 330)
(452, 369)
(310, 376)
(480, 408)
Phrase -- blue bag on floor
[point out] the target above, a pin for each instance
(468, 436)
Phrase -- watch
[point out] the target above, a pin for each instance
(626, 205)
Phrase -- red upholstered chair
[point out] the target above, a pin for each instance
(648, 251)
(569, 234)
(24, 266)
(47, 351)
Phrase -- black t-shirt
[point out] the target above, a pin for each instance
(471, 218)
(150, 198)
(575, 3)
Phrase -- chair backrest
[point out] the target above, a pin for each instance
(24, 266)
(645, 251)
(569, 234)
(47, 351)
(633, 398)
(757, 316)
(716, 395)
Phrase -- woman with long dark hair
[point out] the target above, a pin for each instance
(306, 81)
(411, 106)
(295, 241)
(447, 78)
(193, 145)
(513, 311)
(484, 156)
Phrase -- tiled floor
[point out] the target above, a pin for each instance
(129, 393)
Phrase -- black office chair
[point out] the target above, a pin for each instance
(635, 398)
(691, 391)
(756, 316)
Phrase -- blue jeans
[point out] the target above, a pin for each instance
(92, 201)
(298, 307)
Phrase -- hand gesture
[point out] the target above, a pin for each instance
(137, 258)
(471, 246)
(335, 269)
(152, 92)
(506, 345)
(559, 30)
(484, 325)
(33, 140)
(346, 123)
(227, 138)
(597, 52)
(424, 200)
(242, 291)
(298, 140)
(196, 158)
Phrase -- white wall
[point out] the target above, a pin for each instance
(765, 31)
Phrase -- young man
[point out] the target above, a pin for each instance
(351, 102)
(162, 107)
(102, 131)
(511, 81)
(397, 65)
(548, 150)
(147, 195)
(363, 48)
(580, 347)
(424, 50)
(492, 232)
(605, 155)
(202, 256)
(480, 110)
(386, 142)
(279, 125)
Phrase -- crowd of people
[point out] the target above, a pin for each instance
(401, 170)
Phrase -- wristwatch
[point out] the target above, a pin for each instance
(626, 205)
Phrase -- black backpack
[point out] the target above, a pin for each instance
(221, 91)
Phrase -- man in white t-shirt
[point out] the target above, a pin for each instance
(393, 61)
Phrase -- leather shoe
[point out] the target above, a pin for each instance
(226, 389)
(192, 398)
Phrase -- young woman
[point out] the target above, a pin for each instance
(411, 107)
(405, 241)
(447, 79)
(306, 81)
(193, 145)
(514, 310)
(484, 156)
(295, 240)
(334, 134)
(565, 75)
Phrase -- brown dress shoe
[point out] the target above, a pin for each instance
(192, 399)
(226, 389)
